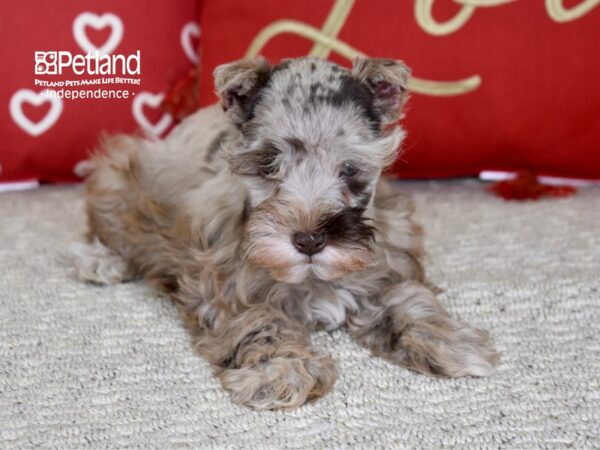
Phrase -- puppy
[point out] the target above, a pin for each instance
(271, 220)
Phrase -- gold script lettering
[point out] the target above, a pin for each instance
(555, 9)
(558, 12)
(425, 19)
(326, 41)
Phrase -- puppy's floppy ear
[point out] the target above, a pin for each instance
(238, 86)
(387, 79)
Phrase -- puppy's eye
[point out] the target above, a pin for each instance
(348, 170)
(268, 165)
(267, 170)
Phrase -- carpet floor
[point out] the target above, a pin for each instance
(88, 366)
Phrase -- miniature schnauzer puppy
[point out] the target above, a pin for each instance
(271, 220)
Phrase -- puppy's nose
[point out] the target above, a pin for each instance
(309, 243)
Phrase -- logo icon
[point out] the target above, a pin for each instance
(46, 63)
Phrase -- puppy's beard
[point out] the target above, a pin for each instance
(286, 264)
(278, 255)
(334, 262)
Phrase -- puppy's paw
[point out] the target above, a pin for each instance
(448, 348)
(95, 263)
(280, 382)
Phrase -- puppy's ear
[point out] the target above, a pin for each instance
(387, 79)
(238, 86)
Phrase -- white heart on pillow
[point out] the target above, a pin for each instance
(190, 30)
(152, 100)
(36, 99)
(97, 22)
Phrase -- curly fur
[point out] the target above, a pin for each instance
(207, 214)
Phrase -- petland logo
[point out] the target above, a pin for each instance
(94, 63)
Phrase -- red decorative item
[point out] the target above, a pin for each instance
(45, 138)
(182, 99)
(525, 186)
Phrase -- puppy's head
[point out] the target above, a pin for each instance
(315, 138)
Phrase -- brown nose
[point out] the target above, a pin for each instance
(309, 243)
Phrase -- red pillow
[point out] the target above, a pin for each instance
(44, 138)
(523, 91)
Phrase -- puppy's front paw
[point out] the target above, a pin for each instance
(280, 382)
(449, 348)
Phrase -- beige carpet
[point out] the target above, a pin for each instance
(85, 366)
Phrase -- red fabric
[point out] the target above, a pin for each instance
(525, 186)
(537, 109)
(153, 27)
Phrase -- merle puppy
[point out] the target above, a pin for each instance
(271, 220)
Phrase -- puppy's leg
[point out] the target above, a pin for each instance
(264, 358)
(129, 231)
(410, 327)
(95, 263)
(111, 202)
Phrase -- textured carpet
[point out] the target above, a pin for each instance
(85, 366)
